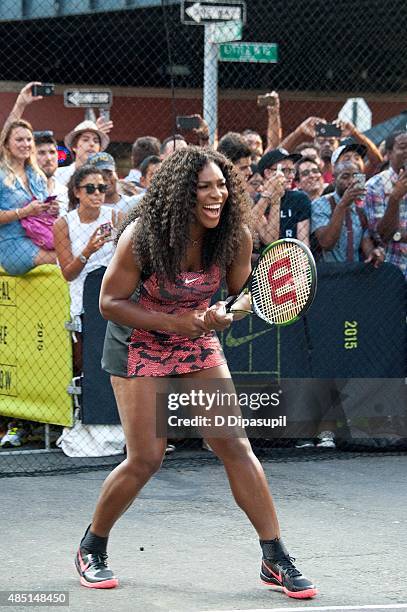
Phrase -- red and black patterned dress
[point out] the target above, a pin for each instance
(135, 352)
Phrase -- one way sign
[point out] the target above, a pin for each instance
(201, 13)
(80, 98)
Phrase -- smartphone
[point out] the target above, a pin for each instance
(105, 231)
(45, 89)
(50, 199)
(188, 122)
(359, 180)
(104, 113)
(266, 100)
(327, 130)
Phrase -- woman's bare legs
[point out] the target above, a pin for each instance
(245, 473)
(45, 257)
(136, 402)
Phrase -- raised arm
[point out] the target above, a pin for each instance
(24, 98)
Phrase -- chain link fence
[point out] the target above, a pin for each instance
(298, 68)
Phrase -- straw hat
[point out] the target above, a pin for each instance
(86, 126)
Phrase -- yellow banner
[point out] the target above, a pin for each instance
(35, 348)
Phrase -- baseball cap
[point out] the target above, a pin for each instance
(274, 157)
(359, 148)
(102, 161)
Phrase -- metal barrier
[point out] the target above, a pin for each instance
(143, 64)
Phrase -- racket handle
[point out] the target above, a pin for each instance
(230, 300)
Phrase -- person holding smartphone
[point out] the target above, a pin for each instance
(23, 194)
(280, 211)
(339, 221)
(386, 202)
(84, 236)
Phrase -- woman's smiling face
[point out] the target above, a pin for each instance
(211, 195)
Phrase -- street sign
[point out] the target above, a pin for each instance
(225, 32)
(357, 111)
(202, 13)
(248, 52)
(90, 98)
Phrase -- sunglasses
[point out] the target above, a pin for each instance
(90, 188)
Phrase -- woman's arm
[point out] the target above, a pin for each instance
(72, 266)
(237, 274)
(119, 283)
(24, 98)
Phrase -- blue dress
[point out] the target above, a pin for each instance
(17, 252)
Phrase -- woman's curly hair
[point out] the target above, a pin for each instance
(166, 211)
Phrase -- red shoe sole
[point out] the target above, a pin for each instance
(306, 594)
(106, 584)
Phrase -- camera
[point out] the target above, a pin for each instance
(188, 122)
(45, 89)
(268, 99)
(327, 130)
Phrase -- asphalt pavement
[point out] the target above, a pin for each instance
(184, 546)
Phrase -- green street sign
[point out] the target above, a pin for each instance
(248, 52)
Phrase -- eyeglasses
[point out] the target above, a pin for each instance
(287, 171)
(308, 172)
(90, 188)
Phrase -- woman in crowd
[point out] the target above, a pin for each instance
(190, 234)
(84, 236)
(84, 242)
(23, 191)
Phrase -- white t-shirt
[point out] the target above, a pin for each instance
(79, 234)
(124, 205)
(64, 173)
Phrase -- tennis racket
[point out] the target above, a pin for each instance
(282, 284)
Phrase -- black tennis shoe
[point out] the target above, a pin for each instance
(280, 573)
(94, 571)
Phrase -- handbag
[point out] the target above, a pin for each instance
(40, 229)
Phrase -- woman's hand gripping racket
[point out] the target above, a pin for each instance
(282, 284)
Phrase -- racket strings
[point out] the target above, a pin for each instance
(282, 283)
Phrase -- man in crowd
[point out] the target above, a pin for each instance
(233, 146)
(280, 212)
(148, 168)
(255, 183)
(107, 165)
(353, 152)
(143, 147)
(339, 222)
(255, 144)
(340, 228)
(386, 202)
(310, 151)
(309, 178)
(170, 144)
(84, 140)
(47, 159)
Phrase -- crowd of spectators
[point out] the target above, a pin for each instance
(338, 194)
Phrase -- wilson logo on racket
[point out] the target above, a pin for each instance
(282, 284)
(279, 282)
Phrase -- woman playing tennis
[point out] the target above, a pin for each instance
(187, 235)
